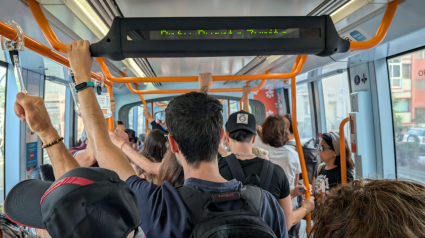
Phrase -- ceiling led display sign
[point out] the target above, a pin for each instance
(219, 36)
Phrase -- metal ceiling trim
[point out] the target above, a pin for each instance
(107, 10)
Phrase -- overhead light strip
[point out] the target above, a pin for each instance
(86, 8)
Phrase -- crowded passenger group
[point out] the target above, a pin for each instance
(192, 175)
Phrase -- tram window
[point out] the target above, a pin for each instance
(234, 106)
(409, 115)
(336, 100)
(3, 73)
(140, 121)
(54, 99)
(131, 118)
(303, 112)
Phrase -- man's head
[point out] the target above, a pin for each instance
(194, 123)
(372, 208)
(289, 117)
(241, 128)
(120, 125)
(84, 202)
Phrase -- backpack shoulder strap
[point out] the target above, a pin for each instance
(320, 168)
(236, 168)
(266, 174)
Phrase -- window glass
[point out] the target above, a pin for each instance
(336, 98)
(303, 112)
(2, 120)
(130, 118)
(54, 99)
(234, 106)
(140, 121)
(409, 116)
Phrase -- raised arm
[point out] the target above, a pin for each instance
(133, 155)
(245, 98)
(33, 111)
(106, 153)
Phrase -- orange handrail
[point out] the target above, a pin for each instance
(342, 151)
(160, 104)
(163, 106)
(178, 91)
(221, 100)
(241, 101)
(298, 141)
(174, 79)
(10, 33)
(228, 108)
(51, 38)
(381, 32)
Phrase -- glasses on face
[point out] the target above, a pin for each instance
(321, 148)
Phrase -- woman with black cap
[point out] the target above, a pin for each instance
(329, 172)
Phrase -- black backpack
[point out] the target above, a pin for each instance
(311, 157)
(237, 173)
(246, 222)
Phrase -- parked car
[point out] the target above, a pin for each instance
(416, 135)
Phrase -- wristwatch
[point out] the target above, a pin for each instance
(84, 85)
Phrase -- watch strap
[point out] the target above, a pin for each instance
(84, 85)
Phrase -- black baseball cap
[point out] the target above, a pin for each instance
(84, 202)
(241, 120)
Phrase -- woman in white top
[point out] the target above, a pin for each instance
(273, 137)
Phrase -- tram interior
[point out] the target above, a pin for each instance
(380, 89)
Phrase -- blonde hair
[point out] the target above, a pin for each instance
(147, 131)
(259, 152)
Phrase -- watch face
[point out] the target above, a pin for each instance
(80, 86)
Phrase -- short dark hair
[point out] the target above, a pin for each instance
(275, 131)
(289, 117)
(120, 123)
(241, 135)
(195, 121)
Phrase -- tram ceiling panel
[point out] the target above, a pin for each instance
(216, 8)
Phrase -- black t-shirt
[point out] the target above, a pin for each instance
(327, 180)
(279, 186)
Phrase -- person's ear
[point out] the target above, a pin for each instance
(223, 133)
(253, 138)
(227, 137)
(173, 145)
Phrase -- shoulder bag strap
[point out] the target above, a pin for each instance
(320, 168)
(236, 168)
(266, 174)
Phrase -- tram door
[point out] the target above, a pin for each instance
(361, 123)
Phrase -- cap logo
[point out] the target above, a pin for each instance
(242, 118)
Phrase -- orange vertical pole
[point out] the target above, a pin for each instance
(153, 111)
(298, 142)
(109, 88)
(342, 151)
(228, 108)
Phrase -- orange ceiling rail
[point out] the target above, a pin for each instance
(51, 38)
(342, 151)
(10, 33)
(381, 32)
(179, 91)
(163, 106)
(110, 77)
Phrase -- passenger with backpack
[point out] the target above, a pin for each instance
(243, 165)
(207, 205)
